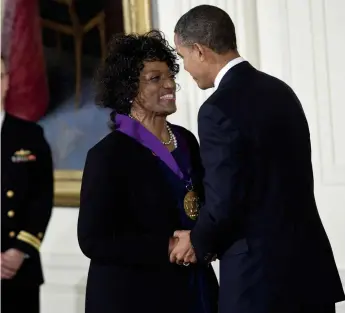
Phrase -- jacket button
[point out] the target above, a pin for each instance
(10, 213)
(9, 193)
(40, 235)
(11, 234)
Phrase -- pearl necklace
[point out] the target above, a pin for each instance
(172, 137)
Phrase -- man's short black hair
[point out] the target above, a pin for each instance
(209, 26)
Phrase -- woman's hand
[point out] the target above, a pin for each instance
(183, 253)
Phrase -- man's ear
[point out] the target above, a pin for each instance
(199, 50)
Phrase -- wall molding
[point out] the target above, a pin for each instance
(60, 260)
(65, 270)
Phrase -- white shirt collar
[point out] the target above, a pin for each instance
(2, 116)
(225, 69)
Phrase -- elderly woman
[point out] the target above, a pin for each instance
(141, 183)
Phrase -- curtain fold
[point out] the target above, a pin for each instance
(22, 48)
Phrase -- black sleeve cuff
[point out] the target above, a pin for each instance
(27, 243)
(202, 254)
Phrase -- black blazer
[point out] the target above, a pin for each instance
(260, 215)
(26, 194)
(127, 214)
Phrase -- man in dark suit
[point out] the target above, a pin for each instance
(260, 215)
(26, 205)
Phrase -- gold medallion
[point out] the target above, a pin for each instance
(192, 205)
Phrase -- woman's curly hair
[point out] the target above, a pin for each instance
(118, 79)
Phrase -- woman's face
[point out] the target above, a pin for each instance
(157, 89)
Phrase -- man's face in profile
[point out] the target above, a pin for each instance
(194, 62)
(4, 82)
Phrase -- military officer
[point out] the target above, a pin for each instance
(26, 205)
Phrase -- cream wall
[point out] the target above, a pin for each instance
(299, 41)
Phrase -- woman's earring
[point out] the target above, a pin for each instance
(130, 101)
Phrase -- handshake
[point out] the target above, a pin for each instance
(181, 250)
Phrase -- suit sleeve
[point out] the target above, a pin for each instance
(40, 203)
(102, 233)
(222, 154)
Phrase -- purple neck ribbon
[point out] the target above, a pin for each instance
(135, 130)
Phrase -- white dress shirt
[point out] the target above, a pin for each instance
(225, 69)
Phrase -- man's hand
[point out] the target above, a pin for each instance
(183, 252)
(172, 243)
(11, 261)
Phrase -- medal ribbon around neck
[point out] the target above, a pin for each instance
(135, 130)
(191, 202)
(138, 132)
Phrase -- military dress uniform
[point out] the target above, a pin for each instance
(26, 205)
